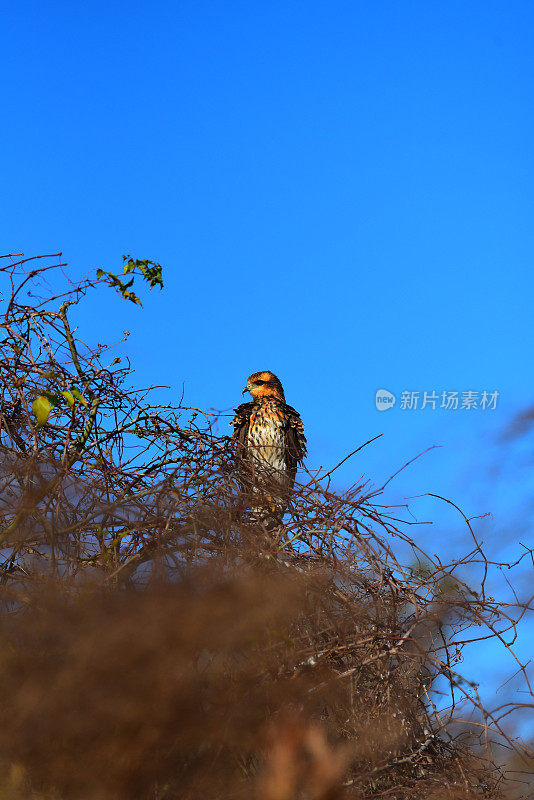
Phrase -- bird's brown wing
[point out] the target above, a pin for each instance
(295, 440)
(241, 423)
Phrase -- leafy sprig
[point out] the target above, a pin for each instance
(150, 271)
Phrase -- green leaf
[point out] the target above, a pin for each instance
(50, 375)
(78, 395)
(100, 273)
(132, 297)
(41, 408)
(69, 398)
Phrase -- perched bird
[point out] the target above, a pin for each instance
(270, 442)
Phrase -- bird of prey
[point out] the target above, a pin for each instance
(270, 441)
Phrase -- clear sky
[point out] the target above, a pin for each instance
(340, 192)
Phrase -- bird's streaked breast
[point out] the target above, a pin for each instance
(266, 440)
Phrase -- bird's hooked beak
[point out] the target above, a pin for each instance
(245, 390)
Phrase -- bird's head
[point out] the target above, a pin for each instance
(264, 384)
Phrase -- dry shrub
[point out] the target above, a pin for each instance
(158, 642)
(196, 689)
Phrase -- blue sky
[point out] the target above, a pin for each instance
(340, 192)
